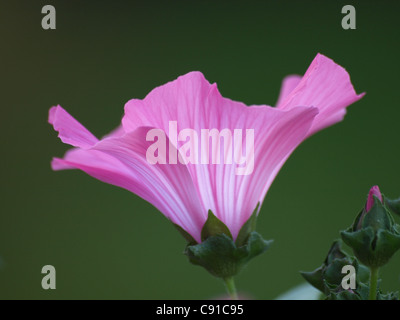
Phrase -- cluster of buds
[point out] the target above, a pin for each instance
(374, 237)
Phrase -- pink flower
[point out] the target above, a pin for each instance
(374, 191)
(185, 192)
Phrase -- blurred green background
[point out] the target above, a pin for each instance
(107, 243)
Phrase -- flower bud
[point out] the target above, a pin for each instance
(374, 191)
(374, 235)
(328, 277)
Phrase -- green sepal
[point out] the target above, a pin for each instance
(256, 245)
(185, 234)
(393, 205)
(335, 252)
(315, 278)
(363, 289)
(333, 272)
(331, 268)
(362, 272)
(360, 241)
(357, 224)
(220, 256)
(377, 217)
(387, 244)
(372, 249)
(247, 228)
(213, 227)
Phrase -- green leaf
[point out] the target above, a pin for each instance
(213, 227)
(247, 228)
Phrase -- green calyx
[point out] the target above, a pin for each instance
(218, 253)
(374, 236)
(222, 258)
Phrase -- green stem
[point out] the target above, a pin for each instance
(230, 286)
(373, 283)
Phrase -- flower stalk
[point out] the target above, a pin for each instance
(231, 288)
(373, 283)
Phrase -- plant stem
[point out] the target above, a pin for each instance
(230, 286)
(373, 283)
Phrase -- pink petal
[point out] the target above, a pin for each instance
(288, 85)
(121, 161)
(374, 191)
(69, 130)
(117, 132)
(325, 85)
(194, 103)
(184, 193)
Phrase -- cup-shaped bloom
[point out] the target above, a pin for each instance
(189, 151)
(374, 235)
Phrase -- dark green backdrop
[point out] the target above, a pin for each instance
(106, 242)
